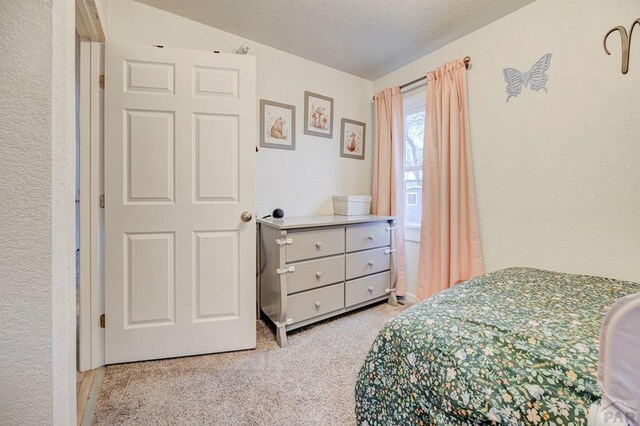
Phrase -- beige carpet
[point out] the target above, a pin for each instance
(309, 383)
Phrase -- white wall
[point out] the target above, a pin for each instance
(557, 173)
(301, 181)
(37, 293)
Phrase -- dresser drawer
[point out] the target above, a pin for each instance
(363, 289)
(368, 262)
(315, 273)
(363, 237)
(313, 303)
(314, 243)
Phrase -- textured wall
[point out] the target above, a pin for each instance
(301, 181)
(557, 176)
(36, 349)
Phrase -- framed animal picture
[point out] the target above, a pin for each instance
(352, 138)
(318, 115)
(277, 125)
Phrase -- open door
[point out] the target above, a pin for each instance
(179, 174)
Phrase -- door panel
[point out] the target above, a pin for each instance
(214, 81)
(148, 157)
(216, 275)
(179, 170)
(216, 157)
(150, 290)
(149, 77)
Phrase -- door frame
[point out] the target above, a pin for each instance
(91, 118)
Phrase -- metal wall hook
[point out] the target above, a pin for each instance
(625, 40)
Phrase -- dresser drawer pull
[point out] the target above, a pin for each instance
(318, 274)
(319, 244)
(370, 237)
(318, 305)
(370, 289)
(371, 263)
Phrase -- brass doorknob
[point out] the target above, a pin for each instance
(246, 216)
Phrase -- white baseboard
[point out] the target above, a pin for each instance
(411, 298)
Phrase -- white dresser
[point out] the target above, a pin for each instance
(313, 268)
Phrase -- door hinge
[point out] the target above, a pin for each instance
(101, 81)
(102, 201)
(102, 321)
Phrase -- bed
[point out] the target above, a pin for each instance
(517, 346)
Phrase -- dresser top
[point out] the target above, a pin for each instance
(316, 221)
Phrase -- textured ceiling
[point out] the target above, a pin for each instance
(368, 38)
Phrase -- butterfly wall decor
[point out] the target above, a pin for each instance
(536, 78)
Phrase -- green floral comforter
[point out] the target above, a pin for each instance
(518, 346)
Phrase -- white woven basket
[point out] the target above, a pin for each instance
(351, 205)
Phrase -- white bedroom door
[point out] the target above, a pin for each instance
(180, 128)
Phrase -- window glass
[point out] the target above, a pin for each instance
(414, 122)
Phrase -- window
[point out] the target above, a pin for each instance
(412, 198)
(414, 119)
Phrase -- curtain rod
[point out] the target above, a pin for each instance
(467, 62)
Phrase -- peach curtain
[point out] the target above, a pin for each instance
(450, 250)
(387, 194)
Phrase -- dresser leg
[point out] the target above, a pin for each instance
(393, 300)
(281, 337)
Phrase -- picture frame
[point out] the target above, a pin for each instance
(318, 115)
(277, 125)
(352, 138)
